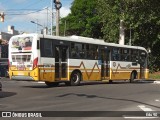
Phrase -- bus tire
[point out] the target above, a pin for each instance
(51, 84)
(133, 77)
(75, 78)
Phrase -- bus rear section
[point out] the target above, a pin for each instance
(23, 59)
(23, 67)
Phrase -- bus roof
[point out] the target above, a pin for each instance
(81, 39)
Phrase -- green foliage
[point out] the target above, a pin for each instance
(109, 12)
(83, 20)
(142, 24)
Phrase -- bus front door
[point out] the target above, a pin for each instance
(105, 66)
(61, 62)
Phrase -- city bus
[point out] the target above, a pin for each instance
(72, 59)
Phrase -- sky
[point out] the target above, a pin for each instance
(20, 13)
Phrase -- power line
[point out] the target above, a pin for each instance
(33, 4)
(24, 13)
(18, 9)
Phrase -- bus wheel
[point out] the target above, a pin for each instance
(75, 78)
(52, 84)
(133, 76)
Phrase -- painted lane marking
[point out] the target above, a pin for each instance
(157, 100)
(142, 107)
(140, 117)
(148, 111)
(157, 82)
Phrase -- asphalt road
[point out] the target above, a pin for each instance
(100, 100)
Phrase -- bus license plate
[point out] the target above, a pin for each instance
(21, 67)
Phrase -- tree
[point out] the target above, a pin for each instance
(83, 20)
(142, 23)
(110, 13)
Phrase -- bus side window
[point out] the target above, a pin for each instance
(76, 50)
(115, 54)
(46, 48)
(82, 51)
(125, 55)
(73, 51)
(134, 55)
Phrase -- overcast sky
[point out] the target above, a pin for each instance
(19, 13)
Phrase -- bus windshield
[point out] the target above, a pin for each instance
(21, 43)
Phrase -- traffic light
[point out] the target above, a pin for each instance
(2, 17)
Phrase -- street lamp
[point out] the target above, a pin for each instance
(44, 28)
(36, 23)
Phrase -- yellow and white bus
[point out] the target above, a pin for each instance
(73, 59)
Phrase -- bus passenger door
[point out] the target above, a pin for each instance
(105, 65)
(61, 62)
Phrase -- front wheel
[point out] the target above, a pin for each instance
(75, 78)
(133, 77)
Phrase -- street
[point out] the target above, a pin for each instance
(118, 96)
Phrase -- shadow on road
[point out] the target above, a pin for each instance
(4, 94)
(36, 86)
(110, 98)
(86, 83)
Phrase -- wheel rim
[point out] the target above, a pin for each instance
(132, 77)
(75, 78)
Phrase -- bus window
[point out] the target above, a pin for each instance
(115, 54)
(125, 55)
(46, 48)
(134, 55)
(93, 51)
(82, 51)
(76, 49)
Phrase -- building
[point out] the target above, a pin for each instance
(4, 38)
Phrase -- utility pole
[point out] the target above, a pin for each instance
(57, 19)
(122, 27)
(47, 19)
(122, 33)
(51, 17)
(58, 5)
